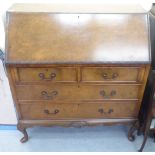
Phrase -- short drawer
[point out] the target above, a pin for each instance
(113, 74)
(74, 92)
(79, 110)
(54, 74)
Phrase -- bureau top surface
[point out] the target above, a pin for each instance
(77, 8)
(48, 37)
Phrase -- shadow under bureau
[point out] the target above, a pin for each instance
(76, 68)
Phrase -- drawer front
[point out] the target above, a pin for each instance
(79, 110)
(75, 92)
(56, 74)
(113, 74)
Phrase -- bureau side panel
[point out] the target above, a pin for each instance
(145, 77)
(11, 77)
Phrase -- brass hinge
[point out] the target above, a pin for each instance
(2, 57)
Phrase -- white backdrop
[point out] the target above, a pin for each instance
(7, 111)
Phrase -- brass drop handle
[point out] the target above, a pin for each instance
(49, 96)
(101, 110)
(43, 77)
(53, 113)
(113, 77)
(103, 93)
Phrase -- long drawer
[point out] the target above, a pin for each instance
(79, 110)
(77, 92)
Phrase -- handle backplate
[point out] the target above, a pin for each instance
(51, 113)
(104, 94)
(102, 111)
(42, 76)
(49, 96)
(113, 76)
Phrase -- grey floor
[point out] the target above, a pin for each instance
(86, 139)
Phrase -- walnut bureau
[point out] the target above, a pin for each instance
(73, 67)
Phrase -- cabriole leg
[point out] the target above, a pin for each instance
(23, 130)
(133, 128)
